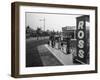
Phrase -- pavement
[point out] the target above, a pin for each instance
(65, 59)
(48, 59)
(53, 57)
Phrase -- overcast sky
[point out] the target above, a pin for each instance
(52, 21)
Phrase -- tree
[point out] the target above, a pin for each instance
(27, 29)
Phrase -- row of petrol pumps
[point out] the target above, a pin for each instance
(60, 43)
(78, 46)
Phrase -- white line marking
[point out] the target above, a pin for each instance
(79, 61)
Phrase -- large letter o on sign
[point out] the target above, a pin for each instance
(80, 34)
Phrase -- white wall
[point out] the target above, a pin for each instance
(5, 40)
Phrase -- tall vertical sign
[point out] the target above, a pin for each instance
(81, 39)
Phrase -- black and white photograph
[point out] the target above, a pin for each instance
(52, 39)
(57, 39)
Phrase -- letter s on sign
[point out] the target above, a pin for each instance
(81, 54)
(81, 44)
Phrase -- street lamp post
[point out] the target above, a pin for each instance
(43, 21)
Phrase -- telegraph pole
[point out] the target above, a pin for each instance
(43, 22)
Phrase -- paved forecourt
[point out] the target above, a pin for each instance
(65, 59)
